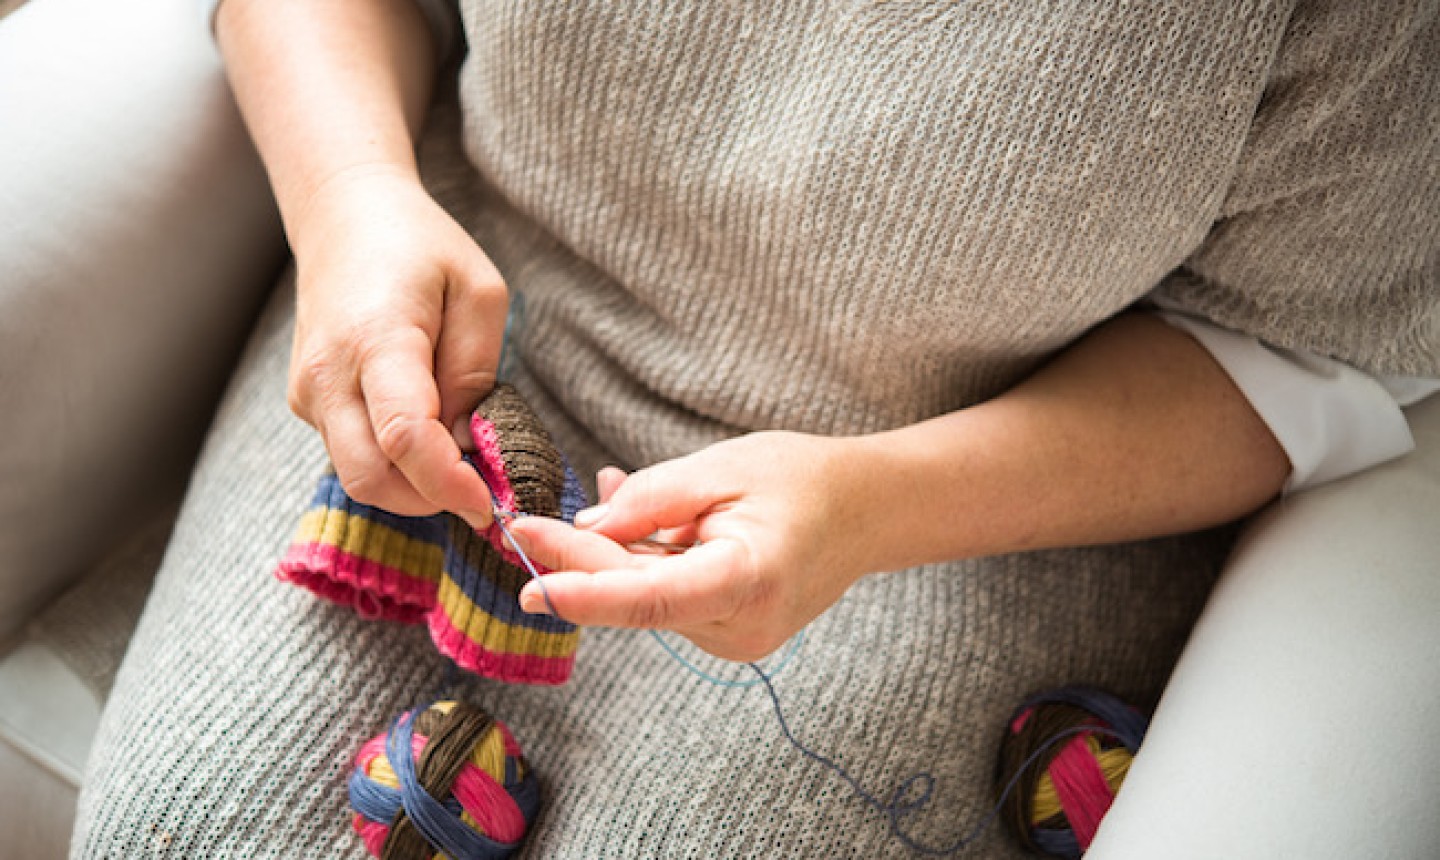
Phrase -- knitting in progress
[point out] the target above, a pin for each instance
(463, 585)
(449, 777)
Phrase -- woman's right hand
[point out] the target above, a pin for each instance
(398, 334)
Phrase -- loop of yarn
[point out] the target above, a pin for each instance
(1065, 788)
(447, 777)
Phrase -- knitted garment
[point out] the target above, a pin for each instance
(436, 569)
(824, 217)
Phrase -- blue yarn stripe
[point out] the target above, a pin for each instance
(486, 594)
(329, 493)
(572, 495)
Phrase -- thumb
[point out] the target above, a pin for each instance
(669, 495)
(472, 331)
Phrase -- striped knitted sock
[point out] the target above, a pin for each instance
(465, 586)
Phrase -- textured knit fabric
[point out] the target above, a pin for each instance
(464, 586)
(821, 217)
(90, 624)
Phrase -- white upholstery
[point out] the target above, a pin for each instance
(138, 236)
(46, 711)
(1300, 722)
(137, 239)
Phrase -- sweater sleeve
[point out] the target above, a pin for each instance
(1327, 242)
(1317, 288)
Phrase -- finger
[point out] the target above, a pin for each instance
(472, 331)
(364, 471)
(670, 495)
(558, 546)
(403, 406)
(676, 591)
(683, 536)
(608, 480)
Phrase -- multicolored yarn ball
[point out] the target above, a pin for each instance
(1067, 751)
(447, 780)
(464, 586)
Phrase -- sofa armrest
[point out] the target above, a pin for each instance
(1299, 721)
(139, 240)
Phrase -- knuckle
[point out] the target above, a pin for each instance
(311, 378)
(398, 435)
(489, 288)
(470, 380)
(296, 402)
(365, 342)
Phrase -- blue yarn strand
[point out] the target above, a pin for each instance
(900, 805)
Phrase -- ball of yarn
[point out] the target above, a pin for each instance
(1067, 751)
(446, 778)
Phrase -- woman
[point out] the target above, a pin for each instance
(856, 290)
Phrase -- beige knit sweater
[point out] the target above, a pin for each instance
(837, 218)
(828, 217)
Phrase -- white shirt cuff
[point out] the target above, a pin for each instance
(1331, 419)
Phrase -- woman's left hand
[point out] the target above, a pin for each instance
(775, 529)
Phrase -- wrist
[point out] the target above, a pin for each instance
(314, 211)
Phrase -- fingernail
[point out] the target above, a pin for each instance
(532, 601)
(591, 516)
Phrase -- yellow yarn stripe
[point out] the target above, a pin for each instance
(489, 756)
(370, 540)
(381, 771)
(498, 636)
(1114, 764)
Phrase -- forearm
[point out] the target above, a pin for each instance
(1132, 432)
(327, 88)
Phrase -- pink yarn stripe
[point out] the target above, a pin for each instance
(375, 590)
(500, 665)
(487, 801)
(491, 462)
(373, 833)
(492, 466)
(373, 749)
(1080, 784)
(1020, 720)
(512, 747)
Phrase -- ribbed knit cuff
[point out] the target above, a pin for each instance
(382, 565)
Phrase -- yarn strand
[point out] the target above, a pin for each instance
(900, 806)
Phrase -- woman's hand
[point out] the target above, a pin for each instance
(400, 323)
(778, 527)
